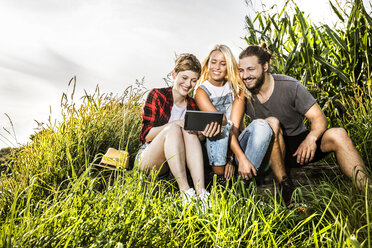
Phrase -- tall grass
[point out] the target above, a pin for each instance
(139, 211)
(358, 118)
(86, 207)
(63, 150)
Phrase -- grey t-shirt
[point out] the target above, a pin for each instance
(289, 102)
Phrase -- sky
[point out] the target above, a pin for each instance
(109, 43)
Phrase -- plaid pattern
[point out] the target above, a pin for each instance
(157, 109)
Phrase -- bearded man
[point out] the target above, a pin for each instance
(284, 102)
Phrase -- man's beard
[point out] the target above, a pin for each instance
(259, 82)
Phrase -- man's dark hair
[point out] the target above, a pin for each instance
(263, 54)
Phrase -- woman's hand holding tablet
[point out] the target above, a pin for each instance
(212, 129)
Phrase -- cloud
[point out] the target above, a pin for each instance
(51, 67)
(45, 6)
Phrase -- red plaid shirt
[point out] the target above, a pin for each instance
(157, 109)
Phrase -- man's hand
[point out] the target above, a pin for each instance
(246, 169)
(229, 170)
(306, 150)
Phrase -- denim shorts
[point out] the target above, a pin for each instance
(139, 153)
(217, 146)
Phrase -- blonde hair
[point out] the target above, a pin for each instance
(232, 75)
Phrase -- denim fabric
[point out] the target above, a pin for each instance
(217, 146)
(254, 141)
(139, 153)
(223, 104)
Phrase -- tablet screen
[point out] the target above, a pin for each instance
(198, 120)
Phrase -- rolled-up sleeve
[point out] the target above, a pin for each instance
(149, 114)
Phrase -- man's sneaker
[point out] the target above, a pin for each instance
(188, 196)
(203, 198)
(220, 179)
(286, 188)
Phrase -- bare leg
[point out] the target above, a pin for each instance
(277, 161)
(168, 146)
(278, 150)
(194, 160)
(351, 163)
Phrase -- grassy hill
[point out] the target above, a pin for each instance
(52, 196)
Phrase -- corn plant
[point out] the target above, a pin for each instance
(327, 60)
(333, 62)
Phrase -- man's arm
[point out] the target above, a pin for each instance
(237, 114)
(245, 166)
(306, 151)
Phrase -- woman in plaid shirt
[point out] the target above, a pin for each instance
(166, 145)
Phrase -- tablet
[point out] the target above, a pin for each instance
(198, 120)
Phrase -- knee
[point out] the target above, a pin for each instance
(337, 136)
(262, 128)
(189, 135)
(274, 124)
(173, 130)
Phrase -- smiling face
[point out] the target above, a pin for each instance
(217, 68)
(252, 72)
(184, 81)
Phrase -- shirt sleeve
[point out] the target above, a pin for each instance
(304, 100)
(191, 104)
(148, 114)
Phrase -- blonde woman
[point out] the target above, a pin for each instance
(219, 87)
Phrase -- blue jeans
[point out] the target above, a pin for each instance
(254, 141)
(217, 146)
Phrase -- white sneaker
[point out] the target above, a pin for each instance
(203, 197)
(187, 196)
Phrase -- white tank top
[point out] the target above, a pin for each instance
(177, 113)
(218, 91)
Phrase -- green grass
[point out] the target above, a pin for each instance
(54, 199)
(52, 196)
(139, 211)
